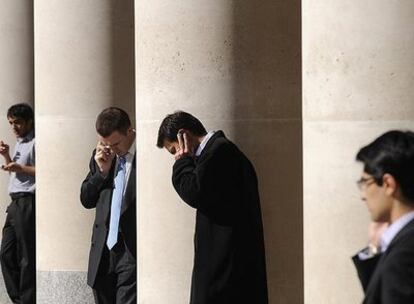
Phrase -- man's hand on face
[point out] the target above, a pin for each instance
(4, 148)
(185, 145)
(103, 158)
(12, 167)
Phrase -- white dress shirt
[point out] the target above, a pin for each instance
(204, 143)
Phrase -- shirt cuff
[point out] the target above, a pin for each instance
(368, 252)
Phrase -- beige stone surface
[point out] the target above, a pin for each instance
(63, 225)
(357, 55)
(73, 57)
(84, 63)
(357, 84)
(240, 58)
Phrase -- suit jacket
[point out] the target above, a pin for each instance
(229, 262)
(388, 278)
(96, 192)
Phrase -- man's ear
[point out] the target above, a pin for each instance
(390, 184)
(130, 130)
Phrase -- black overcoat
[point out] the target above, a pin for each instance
(229, 262)
(388, 278)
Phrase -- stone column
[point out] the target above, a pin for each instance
(16, 80)
(358, 83)
(80, 70)
(236, 66)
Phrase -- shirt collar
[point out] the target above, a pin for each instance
(131, 152)
(204, 143)
(390, 233)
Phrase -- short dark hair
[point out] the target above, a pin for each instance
(21, 110)
(112, 119)
(176, 121)
(392, 153)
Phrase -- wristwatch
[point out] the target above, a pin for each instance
(373, 250)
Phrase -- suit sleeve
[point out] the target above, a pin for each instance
(210, 184)
(398, 279)
(92, 185)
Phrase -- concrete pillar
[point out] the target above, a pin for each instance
(16, 79)
(358, 83)
(84, 62)
(236, 66)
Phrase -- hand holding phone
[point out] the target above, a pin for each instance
(185, 146)
(103, 158)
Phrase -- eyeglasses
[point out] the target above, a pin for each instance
(363, 182)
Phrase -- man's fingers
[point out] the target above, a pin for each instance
(102, 156)
(99, 147)
(185, 143)
(8, 167)
(99, 156)
(180, 140)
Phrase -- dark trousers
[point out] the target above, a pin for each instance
(116, 281)
(18, 250)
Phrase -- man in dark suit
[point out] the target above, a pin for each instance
(110, 188)
(213, 176)
(386, 266)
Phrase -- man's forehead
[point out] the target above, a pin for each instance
(111, 139)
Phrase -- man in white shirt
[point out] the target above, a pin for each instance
(386, 266)
(18, 245)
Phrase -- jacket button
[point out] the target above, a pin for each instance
(96, 225)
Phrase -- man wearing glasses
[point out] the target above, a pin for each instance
(386, 267)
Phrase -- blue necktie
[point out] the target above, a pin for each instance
(116, 203)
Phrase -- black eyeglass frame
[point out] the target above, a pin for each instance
(365, 181)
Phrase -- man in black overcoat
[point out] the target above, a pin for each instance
(213, 176)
